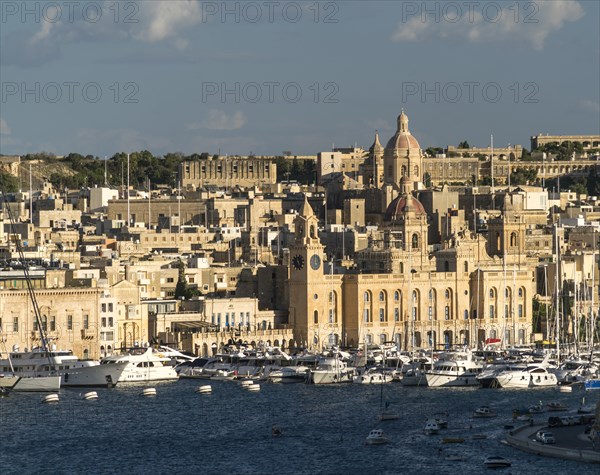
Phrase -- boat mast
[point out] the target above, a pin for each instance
(558, 294)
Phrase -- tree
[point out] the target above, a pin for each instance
(8, 182)
(593, 182)
(182, 289)
(464, 144)
(427, 180)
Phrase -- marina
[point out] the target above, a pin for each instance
(220, 429)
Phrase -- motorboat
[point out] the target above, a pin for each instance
(484, 411)
(376, 437)
(454, 369)
(331, 370)
(535, 375)
(496, 462)
(591, 384)
(556, 406)
(373, 376)
(431, 427)
(137, 365)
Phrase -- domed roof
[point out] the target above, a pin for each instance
(402, 138)
(402, 205)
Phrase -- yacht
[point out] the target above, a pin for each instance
(330, 370)
(431, 427)
(533, 376)
(496, 462)
(484, 411)
(454, 369)
(138, 365)
(38, 370)
(373, 376)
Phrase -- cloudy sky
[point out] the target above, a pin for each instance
(263, 77)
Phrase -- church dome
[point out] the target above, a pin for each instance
(403, 205)
(403, 139)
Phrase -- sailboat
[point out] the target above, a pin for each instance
(385, 413)
(48, 380)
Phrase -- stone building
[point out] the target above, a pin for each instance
(228, 172)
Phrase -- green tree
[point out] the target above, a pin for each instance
(182, 289)
(464, 144)
(8, 182)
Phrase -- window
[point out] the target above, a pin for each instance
(415, 241)
(381, 315)
(103, 307)
(506, 312)
(110, 307)
(448, 293)
(110, 321)
(15, 324)
(86, 322)
(69, 322)
(396, 314)
(447, 312)
(316, 317)
(396, 296)
(491, 293)
(492, 311)
(521, 292)
(520, 310)
(366, 315)
(430, 313)
(382, 296)
(103, 321)
(466, 266)
(466, 314)
(44, 322)
(366, 296)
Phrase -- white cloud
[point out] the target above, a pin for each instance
(160, 20)
(533, 24)
(4, 128)
(219, 120)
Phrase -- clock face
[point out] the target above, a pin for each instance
(298, 262)
(315, 261)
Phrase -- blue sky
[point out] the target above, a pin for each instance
(161, 68)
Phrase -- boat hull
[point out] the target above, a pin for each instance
(450, 380)
(38, 384)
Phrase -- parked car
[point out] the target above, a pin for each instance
(545, 437)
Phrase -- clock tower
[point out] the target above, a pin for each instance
(306, 276)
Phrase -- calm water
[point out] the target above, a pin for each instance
(229, 432)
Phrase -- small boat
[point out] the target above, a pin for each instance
(149, 392)
(376, 437)
(205, 389)
(431, 427)
(50, 398)
(253, 387)
(484, 411)
(276, 431)
(536, 409)
(387, 415)
(452, 440)
(496, 462)
(556, 406)
(90, 396)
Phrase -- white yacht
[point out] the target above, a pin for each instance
(330, 370)
(138, 365)
(373, 376)
(533, 376)
(376, 437)
(38, 370)
(454, 369)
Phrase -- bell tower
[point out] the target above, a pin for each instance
(305, 275)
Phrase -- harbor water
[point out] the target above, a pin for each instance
(230, 431)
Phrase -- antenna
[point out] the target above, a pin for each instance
(492, 168)
(128, 205)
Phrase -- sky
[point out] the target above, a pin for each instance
(266, 77)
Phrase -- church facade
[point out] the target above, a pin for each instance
(399, 289)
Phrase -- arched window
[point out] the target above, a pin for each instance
(312, 232)
(316, 317)
(403, 170)
(416, 170)
(466, 266)
(382, 296)
(397, 296)
(492, 293)
(367, 297)
(521, 292)
(415, 241)
(448, 293)
(466, 314)
(514, 240)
